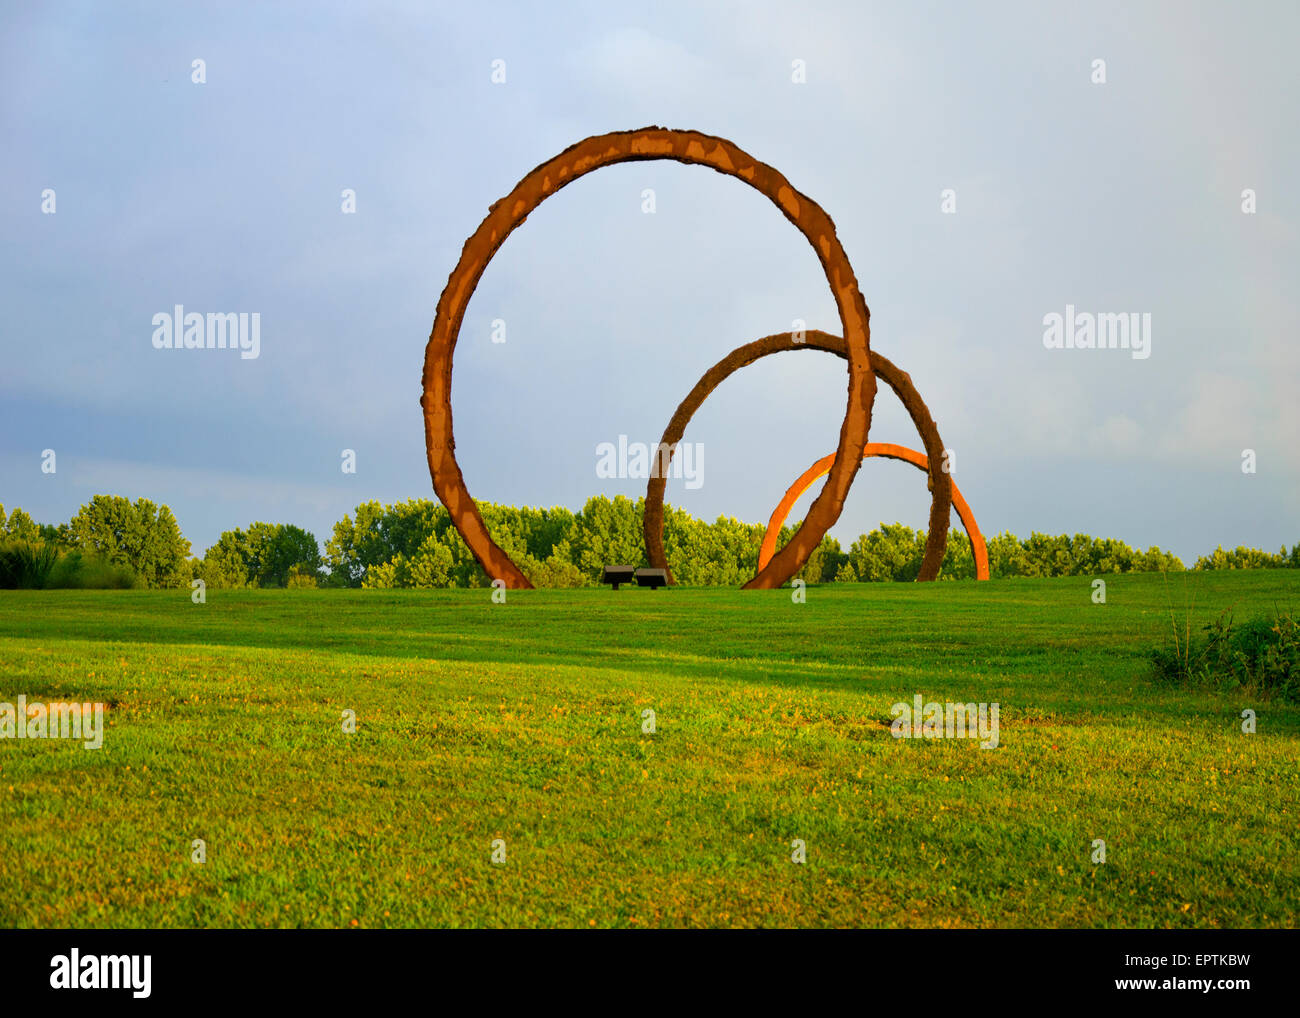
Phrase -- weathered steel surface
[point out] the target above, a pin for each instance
(504, 216)
(885, 450)
(898, 380)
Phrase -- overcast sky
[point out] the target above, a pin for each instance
(225, 196)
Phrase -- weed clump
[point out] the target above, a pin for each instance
(1260, 655)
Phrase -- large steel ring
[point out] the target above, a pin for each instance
(899, 381)
(502, 218)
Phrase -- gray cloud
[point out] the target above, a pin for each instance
(225, 197)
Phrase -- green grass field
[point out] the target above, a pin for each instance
(522, 722)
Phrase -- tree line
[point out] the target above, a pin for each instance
(114, 542)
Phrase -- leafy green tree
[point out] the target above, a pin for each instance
(1006, 556)
(414, 544)
(356, 547)
(432, 564)
(825, 561)
(140, 534)
(405, 526)
(685, 546)
(20, 526)
(607, 531)
(894, 551)
(723, 553)
(733, 550)
(1242, 557)
(958, 558)
(545, 529)
(266, 555)
(1048, 555)
(225, 564)
(384, 534)
(55, 535)
(555, 571)
(278, 549)
(1154, 560)
(300, 577)
(381, 576)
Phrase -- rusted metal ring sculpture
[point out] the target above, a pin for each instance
(896, 379)
(502, 218)
(884, 450)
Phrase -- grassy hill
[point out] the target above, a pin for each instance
(523, 722)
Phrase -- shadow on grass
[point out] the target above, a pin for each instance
(948, 640)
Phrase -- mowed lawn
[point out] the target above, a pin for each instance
(523, 722)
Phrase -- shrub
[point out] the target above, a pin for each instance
(26, 565)
(299, 577)
(1261, 655)
(140, 535)
(266, 555)
(556, 571)
(75, 571)
(42, 566)
(1242, 557)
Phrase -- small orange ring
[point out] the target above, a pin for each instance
(885, 450)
